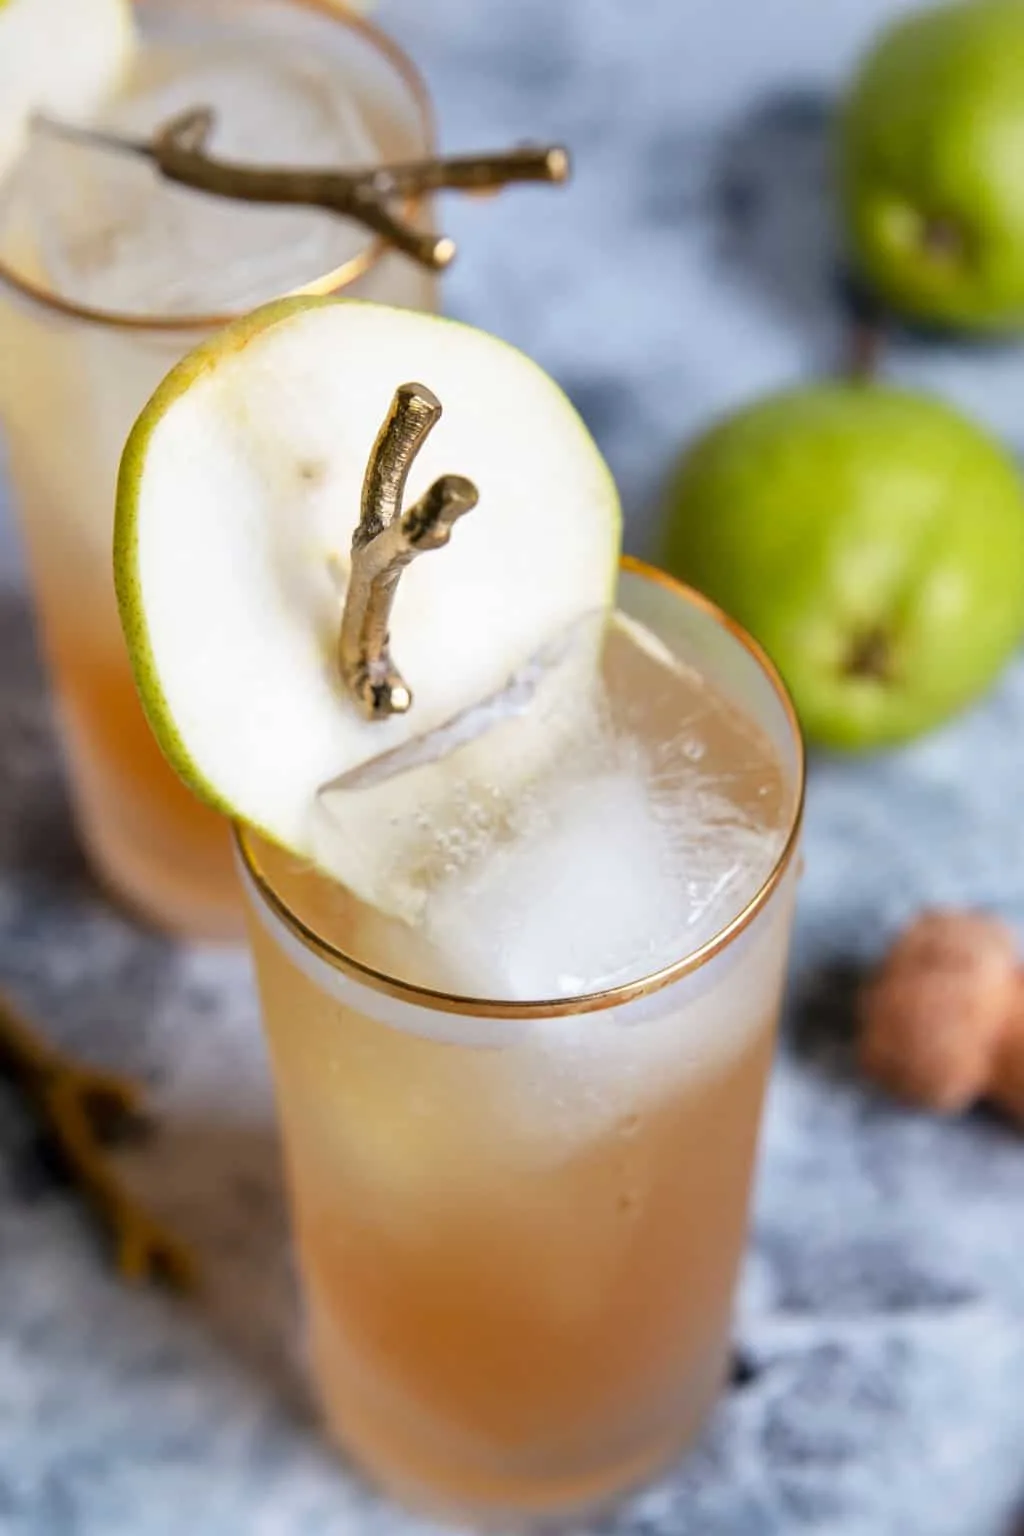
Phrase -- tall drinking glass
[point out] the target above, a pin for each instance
(103, 286)
(519, 1223)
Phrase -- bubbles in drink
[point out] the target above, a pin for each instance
(113, 234)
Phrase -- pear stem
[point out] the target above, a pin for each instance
(866, 334)
(78, 1106)
(386, 540)
(867, 341)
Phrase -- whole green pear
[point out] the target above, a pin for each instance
(871, 539)
(932, 165)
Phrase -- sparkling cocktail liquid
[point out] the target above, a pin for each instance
(520, 1238)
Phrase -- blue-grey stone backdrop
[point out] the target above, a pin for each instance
(692, 264)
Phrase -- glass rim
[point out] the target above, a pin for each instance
(436, 1001)
(331, 282)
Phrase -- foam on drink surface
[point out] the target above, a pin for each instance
(111, 233)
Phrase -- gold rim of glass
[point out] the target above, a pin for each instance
(589, 1002)
(328, 282)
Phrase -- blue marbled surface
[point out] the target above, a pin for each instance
(692, 265)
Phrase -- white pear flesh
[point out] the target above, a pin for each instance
(62, 59)
(238, 496)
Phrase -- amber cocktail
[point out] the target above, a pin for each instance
(520, 1156)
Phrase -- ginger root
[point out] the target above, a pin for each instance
(942, 1020)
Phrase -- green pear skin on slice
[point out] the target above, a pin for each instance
(238, 494)
(58, 58)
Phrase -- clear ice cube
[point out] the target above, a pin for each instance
(406, 825)
(566, 838)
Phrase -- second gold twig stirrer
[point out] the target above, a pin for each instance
(178, 150)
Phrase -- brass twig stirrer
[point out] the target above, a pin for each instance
(179, 152)
(76, 1106)
(386, 540)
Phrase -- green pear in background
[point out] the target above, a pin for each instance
(932, 165)
(871, 539)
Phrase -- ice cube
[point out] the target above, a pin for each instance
(582, 890)
(606, 881)
(111, 233)
(408, 822)
(580, 838)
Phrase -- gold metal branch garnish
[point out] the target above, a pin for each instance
(386, 540)
(476, 174)
(81, 1109)
(179, 152)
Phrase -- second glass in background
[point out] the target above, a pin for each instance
(95, 309)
